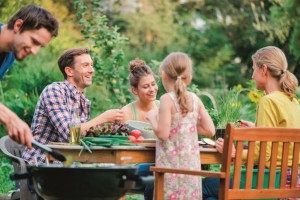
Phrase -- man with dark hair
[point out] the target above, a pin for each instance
(31, 28)
(52, 116)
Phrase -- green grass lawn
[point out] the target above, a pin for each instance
(6, 168)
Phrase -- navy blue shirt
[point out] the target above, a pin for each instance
(6, 60)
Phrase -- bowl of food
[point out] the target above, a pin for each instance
(145, 128)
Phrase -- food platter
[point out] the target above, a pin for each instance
(201, 142)
(209, 141)
(144, 127)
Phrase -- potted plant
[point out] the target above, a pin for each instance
(233, 105)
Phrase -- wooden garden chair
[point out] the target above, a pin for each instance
(14, 151)
(283, 137)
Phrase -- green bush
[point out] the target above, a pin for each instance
(29, 78)
(6, 169)
(107, 53)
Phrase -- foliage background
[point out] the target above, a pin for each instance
(220, 37)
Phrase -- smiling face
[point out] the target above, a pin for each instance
(147, 88)
(82, 72)
(29, 41)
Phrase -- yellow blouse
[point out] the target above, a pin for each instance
(277, 110)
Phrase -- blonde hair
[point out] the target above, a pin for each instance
(276, 62)
(178, 67)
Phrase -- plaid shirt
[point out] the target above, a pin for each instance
(52, 116)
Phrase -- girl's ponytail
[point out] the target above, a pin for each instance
(178, 67)
(180, 90)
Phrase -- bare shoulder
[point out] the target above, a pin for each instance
(199, 102)
(191, 97)
(165, 98)
(166, 101)
(126, 108)
(127, 113)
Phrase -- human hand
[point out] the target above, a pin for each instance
(113, 115)
(17, 129)
(220, 145)
(244, 123)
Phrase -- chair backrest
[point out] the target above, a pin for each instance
(14, 151)
(282, 140)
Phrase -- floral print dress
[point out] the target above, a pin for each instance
(181, 151)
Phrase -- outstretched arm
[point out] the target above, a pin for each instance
(161, 121)
(205, 125)
(108, 116)
(17, 129)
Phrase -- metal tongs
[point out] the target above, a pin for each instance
(57, 155)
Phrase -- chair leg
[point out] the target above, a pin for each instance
(159, 186)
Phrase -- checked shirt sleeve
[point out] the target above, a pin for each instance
(56, 107)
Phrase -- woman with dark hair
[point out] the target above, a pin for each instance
(144, 86)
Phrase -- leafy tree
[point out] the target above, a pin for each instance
(250, 25)
(107, 53)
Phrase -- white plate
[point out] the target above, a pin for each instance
(201, 142)
(209, 141)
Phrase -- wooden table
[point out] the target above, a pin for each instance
(123, 155)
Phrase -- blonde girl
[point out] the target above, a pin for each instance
(181, 117)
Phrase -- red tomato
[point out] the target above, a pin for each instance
(132, 139)
(139, 139)
(136, 133)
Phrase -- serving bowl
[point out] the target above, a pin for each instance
(143, 127)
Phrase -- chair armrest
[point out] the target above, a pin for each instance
(12, 157)
(189, 172)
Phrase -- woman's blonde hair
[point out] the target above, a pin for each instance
(276, 62)
(178, 67)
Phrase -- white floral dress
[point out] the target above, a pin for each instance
(181, 151)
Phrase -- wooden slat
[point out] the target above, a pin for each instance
(284, 164)
(238, 165)
(261, 165)
(262, 194)
(278, 134)
(188, 172)
(295, 165)
(226, 161)
(159, 186)
(280, 137)
(272, 173)
(249, 165)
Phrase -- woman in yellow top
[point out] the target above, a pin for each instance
(278, 108)
(144, 86)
